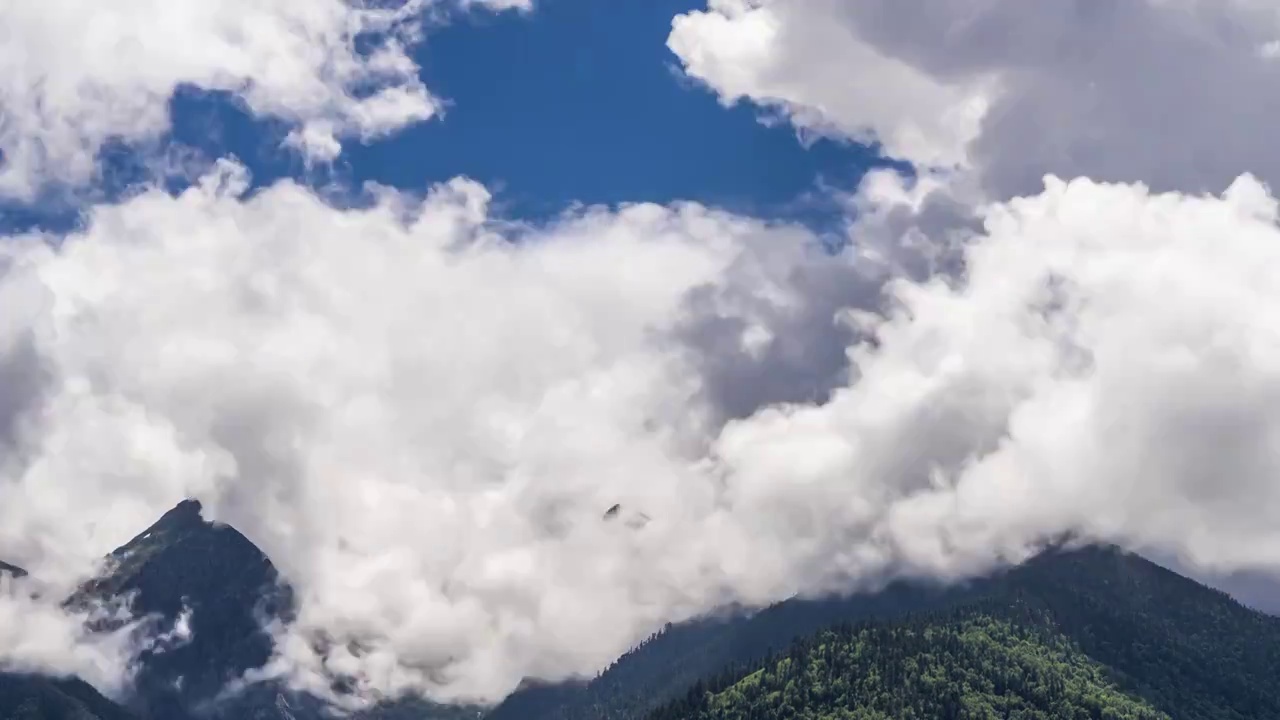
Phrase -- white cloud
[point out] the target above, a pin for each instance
(522, 5)
(796, 58)
(422, 413)
(39, 636)
(1106, 367)
(419, 413)
(295, 60)
(1175, 93)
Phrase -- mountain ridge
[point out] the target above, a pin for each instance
(643, 679)
(184, 564)
(1166, 647)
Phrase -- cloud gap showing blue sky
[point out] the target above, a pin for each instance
(577, 103)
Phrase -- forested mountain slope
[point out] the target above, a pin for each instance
(972, 664)
(1091, 633)
(1092, 629)
(667, 664)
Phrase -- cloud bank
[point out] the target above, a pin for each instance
(985, 98)
(1177, 94)
(421, 411)
(420, 414)
(330, 68)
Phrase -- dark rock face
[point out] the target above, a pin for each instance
(184, 565)
(11, 570)
(31, 697)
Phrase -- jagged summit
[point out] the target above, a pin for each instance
(181, 564)
(183, 550)
(186, 512)
(184, 563)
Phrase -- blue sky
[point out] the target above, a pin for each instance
(578, 102)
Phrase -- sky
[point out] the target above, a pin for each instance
(544, 109)
(547, 108)
(823, 293)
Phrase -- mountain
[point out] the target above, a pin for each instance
(1094, 630)
(1091, 633)
(663, 667)
(1218, 654)
(24, 696)
(184, 564)
(30, 697)
(1194, 651)
(974, 663)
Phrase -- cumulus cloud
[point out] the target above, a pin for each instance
(985, 98)
(40, 636)
(1103, 369)
(1178, 94)
(421, 411)
(331, 68)
(805, 60)
(417, 411)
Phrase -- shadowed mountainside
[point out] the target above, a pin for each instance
(1138, 636)
(1089, 633)
(30, 697)
(185, 565)
(1184, 645)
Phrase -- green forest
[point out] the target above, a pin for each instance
(1091, 634)
(972, 665)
